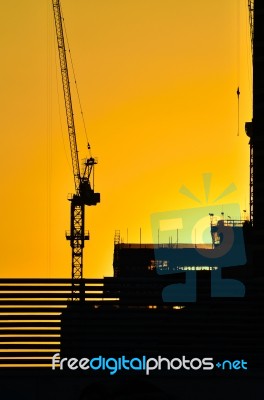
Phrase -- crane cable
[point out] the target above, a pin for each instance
(76, 86)
(59, 109)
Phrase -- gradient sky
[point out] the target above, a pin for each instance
(157, 82)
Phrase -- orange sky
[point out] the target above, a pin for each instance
(157, 82)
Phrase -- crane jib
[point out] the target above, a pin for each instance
(67, 93)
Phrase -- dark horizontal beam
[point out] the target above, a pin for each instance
(53, 347)
(44, 317)
(46, 288)
(35, 338)
(46, 281)
(31, 331)
(28, 309)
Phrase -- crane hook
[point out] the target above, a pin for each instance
(238, 94)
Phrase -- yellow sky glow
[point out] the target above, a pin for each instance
(157, 82)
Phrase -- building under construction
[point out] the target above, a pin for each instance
(173, 300)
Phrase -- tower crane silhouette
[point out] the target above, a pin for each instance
(84, 182)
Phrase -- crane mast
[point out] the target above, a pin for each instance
(84, 190)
